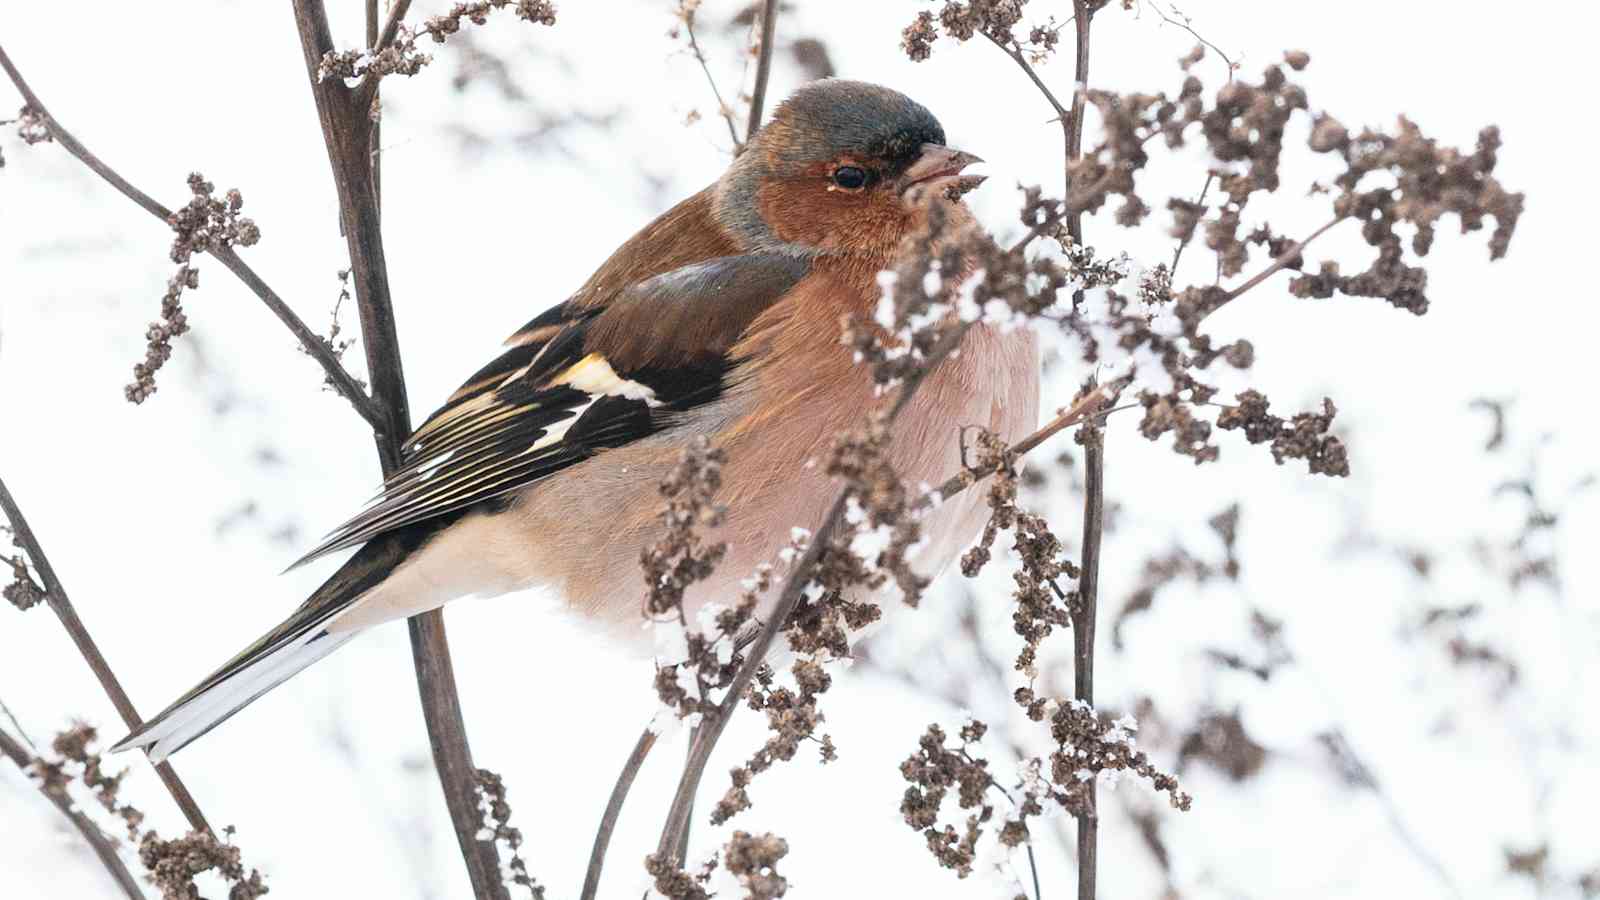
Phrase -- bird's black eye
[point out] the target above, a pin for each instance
(851, 178)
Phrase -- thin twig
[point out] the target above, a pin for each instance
(375, 140)
(1033, 864)
(758, 95)
(1015, 52)
(1088, 405)
(608, 820)
(1283, 259)
(1186, 26)
(102, 845)
(723, 109)
(56, 596)
(314, 345)
(343, 115)
(21, 732)
(1083, 636)
(1177, 253)
(341, 379)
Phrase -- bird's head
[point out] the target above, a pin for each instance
(844, 167)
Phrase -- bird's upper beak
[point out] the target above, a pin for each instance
(938, 170)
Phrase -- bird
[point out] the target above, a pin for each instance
(721, 320)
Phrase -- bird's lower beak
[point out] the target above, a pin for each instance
(938, 170)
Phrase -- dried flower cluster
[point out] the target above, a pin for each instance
(76, 761)
(753, 860)
(1305, 436)
(674, 883)
(497, 824)
(680, 558)
(32, 126)
(402, 56)
(884, 519)
(1041, 605)
(750, 862)
(697, 661)
(1150, 331)
(203, 224)
(994, 19)
(23, 592)
(933, 771)
(792, 717)
(1087, 748)
(172, 865)
(873, 550)
(1088, 751)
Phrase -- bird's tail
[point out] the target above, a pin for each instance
(296, 643)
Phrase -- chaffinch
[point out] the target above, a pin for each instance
(723, 319)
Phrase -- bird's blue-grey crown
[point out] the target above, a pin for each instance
(822, 121)
(833, 116)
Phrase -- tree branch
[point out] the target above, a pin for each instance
(1094, 491)
(56, 596)
(104, 847)
(758, 95)
(1083, 635)
(313, 344)
(608, 820)
(343, 115)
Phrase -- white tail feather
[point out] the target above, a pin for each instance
(199, 715)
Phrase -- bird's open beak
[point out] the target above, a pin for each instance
(938, 170)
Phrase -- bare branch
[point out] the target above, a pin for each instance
(337, 376)
(758, 96)
(56, 596)
(343, 115)
(608, 820)
(1094, 492)
(1083, 634)
(103, 846)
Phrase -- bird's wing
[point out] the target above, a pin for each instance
(576, 380)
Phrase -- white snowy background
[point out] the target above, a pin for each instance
(168, 522)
